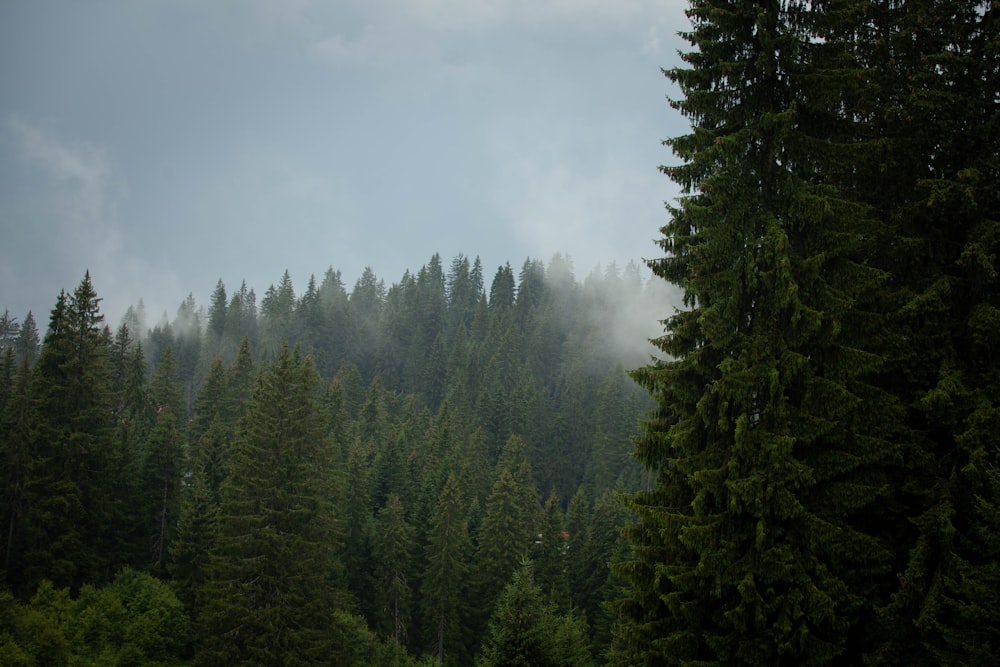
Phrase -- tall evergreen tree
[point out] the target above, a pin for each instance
(277, 310)
(240, 382)
(549, 554)
(393, 549)
(446, 554)
(217, 313)
(936, 187)
(502, 289)
(577, 561)
(464, 287)
(67, 493)
(15, 460)
(190, 550)
(269, 600)
(357, 516)
(307, 328)
(187, 349)
(27, 344)
(213, 426)
(760, 543)
(526, 631)
(335, 335)
(134, 416)
(365, 307)
(163, 459)
(10, 328)
(510, 526)
(241, 318)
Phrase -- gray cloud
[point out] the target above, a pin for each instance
(164, 145)
(73, 211)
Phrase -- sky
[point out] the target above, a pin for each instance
(165, 145)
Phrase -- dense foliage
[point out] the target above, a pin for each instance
(336, 478)
(825, 441)
(430, 472)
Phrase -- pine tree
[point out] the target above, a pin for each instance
(15, 461)
(464, 287)
(502, 289)
(364, 311)
(334, 337)
(190, 549)
(577, 561)
(605, 544)
(550, 552)
(510, 526)
(268, 600)
(67, 493)
(241, 319)
(217, 313)
(358, 515)
(27, 343)
(526, 631)
(755, 546)
(446, 554)
(309, 322)
(393, 550)
(134, 414)
(240, 383)
(277, 310)
(163, 459)
(212, 427)
(187, 348)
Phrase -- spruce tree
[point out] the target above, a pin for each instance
(190, 550)
(68, 494)
(163, 459)
(217, 313)
(577, 563)
(526, 631)
(509, 528)
(393, 549)
(15, 460)
(550, 554)
(212, 428)
(27, 343)
(446, 554)
(756, 546)
(269, 600)
(240, 382)
(502, 289)
(134, 415)
(357, 513)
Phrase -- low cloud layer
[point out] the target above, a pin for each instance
(71, 212)
(167, 145)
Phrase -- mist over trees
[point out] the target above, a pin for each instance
(363, 475)
(456, 468)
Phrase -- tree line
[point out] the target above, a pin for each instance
(424, 472)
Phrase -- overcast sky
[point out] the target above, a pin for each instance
(166, 145)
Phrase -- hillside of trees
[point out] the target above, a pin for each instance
(379, 475)
(439, 471)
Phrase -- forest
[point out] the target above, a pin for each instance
(804, 471)
(379, 475)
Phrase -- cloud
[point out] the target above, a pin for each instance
(396, 32)
(574, 189)
(74, 218)
(80, 173)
